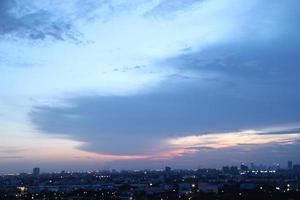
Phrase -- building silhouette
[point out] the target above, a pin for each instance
(36, 171)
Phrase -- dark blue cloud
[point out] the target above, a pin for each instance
(266, 95)
(256, 84)
(36, 25)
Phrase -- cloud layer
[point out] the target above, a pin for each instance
(152, 77)
(23, 19)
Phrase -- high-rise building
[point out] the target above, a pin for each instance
(36, 171)
(234, 170)
(168, 169)
(290, 165)
(226, 170)
(296, 168)
(167, 172)
(244, 167)
(252, 166)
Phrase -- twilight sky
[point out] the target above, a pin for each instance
(93, 84)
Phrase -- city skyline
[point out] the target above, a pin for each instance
(230, 182)
(146, 84)
(242, 167)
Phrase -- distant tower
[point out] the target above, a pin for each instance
(225, 169)
(290, 165)
(168, 169)
(167, 172)
(36, 171)
(244, 167)
(252, 166)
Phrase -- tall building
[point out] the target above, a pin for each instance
(244, 167)
(36, 171)
(168, 169)
(225, 169)
(167, 172)
(296, 169)
(252, 166)
(290, 165)
(234, 170)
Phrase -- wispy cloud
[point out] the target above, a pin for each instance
(234, 139)
(23, 19)
(193, 144)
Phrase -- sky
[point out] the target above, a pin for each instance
(141, 84)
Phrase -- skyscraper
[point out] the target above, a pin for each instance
(244, 167)
(290, 165)
(252, 166)
(36, 171)
(168, 169)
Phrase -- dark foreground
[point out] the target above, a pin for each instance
(206, 184)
